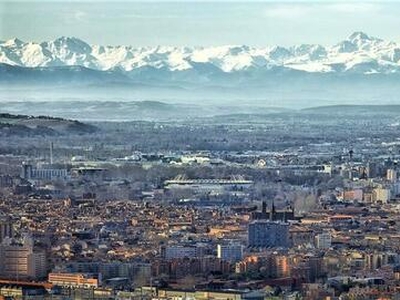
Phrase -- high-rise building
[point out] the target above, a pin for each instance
(6, 229)
(22, 261)
(26, 171)
(37, 264)
(231, 252)
(391, 175)
(280, 266)
(265, 233)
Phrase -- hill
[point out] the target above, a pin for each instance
(354, 109)
(25, 125)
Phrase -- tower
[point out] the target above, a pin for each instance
(264, 208)
(26, 172)
(272, 214)
(6, 229)
(51, 153)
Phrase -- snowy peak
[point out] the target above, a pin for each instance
(363, 41)
(309, 52)
(355, 42)
(359, 53)
(13, 43)
(72, 44)
(279, 53)
(359, 36)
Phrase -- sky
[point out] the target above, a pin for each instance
(199, 23)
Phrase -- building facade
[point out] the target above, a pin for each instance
(265, 233)
(22, 261)
(231, 252)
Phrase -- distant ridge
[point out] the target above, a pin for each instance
(93, 111)
(359, 53)
(25, 125)
(351, 108)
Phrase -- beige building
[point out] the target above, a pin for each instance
(381, 194)
(22, 261)
(74, 280)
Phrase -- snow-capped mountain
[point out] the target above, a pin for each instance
(359, 53)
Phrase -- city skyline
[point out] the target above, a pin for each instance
(199, 150)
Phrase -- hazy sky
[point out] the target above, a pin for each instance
(199, 23)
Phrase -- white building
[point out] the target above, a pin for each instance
(391, 175)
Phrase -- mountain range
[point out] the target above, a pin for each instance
(359, 53)
(358, 70)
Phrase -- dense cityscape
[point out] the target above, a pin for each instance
(275, 206)
(199, 150)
